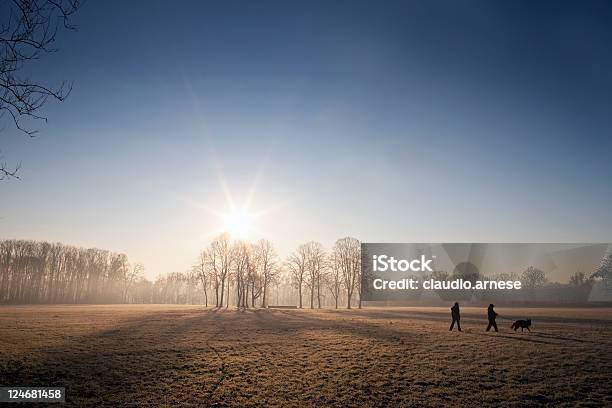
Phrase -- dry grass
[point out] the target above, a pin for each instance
(189, 356)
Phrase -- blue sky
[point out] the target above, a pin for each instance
(388, 121)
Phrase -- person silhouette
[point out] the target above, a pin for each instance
(491, 315)
(456, 317)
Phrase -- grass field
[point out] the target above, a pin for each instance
(190, 356)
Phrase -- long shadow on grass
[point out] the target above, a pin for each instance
(517, 338)
(556, 337)
(140, 360)
(278, 319)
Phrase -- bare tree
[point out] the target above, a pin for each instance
(579, 279)
(267, 265)
(134, 274)
(28, 29)
(37, 272)
(533, 278)
(201, 271)
(220, 259)
(242, 263)
(254, 277)
(207, 256)
(315, 266)
(334, 277)
(347, 252)
(296, 263)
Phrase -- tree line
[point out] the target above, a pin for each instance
(246, 274)
(42, 272)
(227, 272)
(237, 273)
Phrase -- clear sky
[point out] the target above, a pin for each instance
(415, 121)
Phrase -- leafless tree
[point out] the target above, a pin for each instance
(533, 278)
(134, 274)
(579, 279)
(296, 263)
(40, 272)
(242, 264)
(347, 252)
(203, 274)
(315, 267)
(28, 28)
(334, 277)
(220, 259)
(254, 278)
(267, 261)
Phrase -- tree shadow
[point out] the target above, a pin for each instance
(525, 339)
(557, 337)
(135, 361)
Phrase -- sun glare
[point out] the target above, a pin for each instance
(239, 224)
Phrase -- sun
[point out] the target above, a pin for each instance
(239, 219)
(239, 223)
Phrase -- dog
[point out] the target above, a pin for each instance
(523, 324)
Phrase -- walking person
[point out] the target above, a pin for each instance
(456, 317)
(491, 315)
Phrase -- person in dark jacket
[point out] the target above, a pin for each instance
(491, 315)
(456, 317)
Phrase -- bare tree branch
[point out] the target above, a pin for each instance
(6, 172)
(29, 28)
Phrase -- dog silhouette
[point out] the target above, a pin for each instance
(523, 324)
